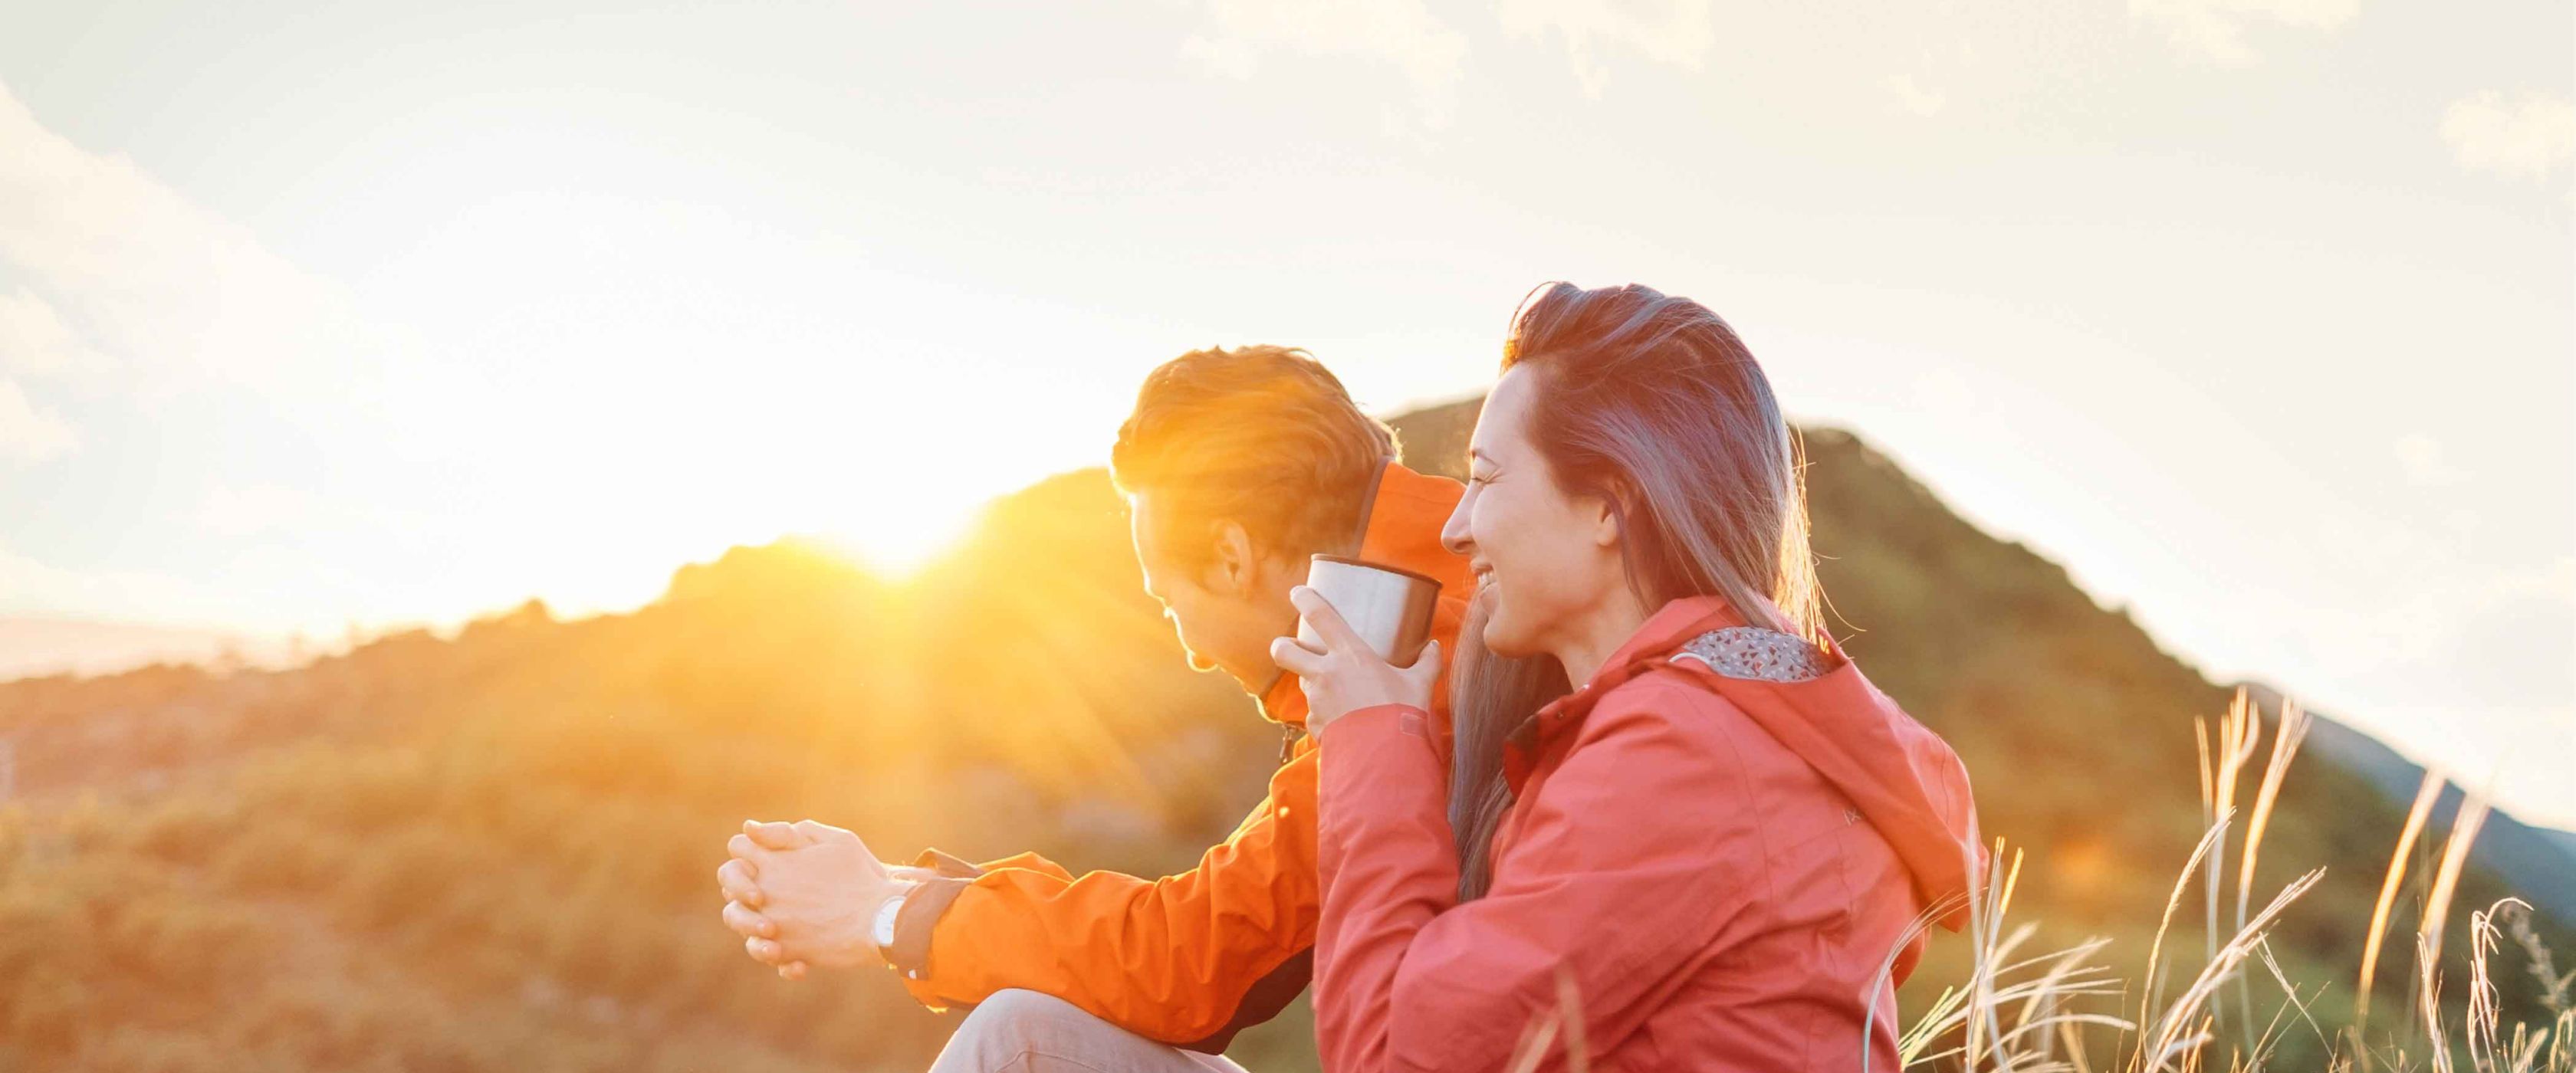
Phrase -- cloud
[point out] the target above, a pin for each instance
(2528, 139)
(2511, 647)
(2215, 29)
(35, 341)
(272, 511)
(143, 596)
(1913, 98)
(118, 269)
(1231, 57)
(28, 433)
(2421, 459)
(1430, 53)
(1676, 32)
(260, 510)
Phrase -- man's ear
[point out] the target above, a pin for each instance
(1233, 566)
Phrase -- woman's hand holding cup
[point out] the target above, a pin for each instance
(1346, 675)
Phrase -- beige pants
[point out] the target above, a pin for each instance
(1019, 1031)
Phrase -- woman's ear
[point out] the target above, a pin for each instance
(1610, 513)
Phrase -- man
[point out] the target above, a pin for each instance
(1237, 466)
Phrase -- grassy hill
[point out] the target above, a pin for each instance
(32, 645)
(495, 852)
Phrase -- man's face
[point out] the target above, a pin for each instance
(1227, 610)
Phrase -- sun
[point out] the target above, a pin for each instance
(900, 529)
(897, 546)
(900, 491)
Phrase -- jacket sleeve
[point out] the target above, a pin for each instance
(1029, 861)
(1596, 884)
(1170, 959)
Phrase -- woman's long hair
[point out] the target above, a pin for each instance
(1650, 403)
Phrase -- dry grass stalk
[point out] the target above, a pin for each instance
(2455, 856)
(2154, 984)
(2553, 985)
(2168, 1035)
(2425, 796)
(2238, 733)
(1539, 1037)
(2286, 738)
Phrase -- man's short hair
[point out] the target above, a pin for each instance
(1264, 436)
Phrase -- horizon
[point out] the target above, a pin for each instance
(2257, 321)
(288, 652)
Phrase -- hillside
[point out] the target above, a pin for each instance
(36, 645)
(494, 852)
(2537, 862)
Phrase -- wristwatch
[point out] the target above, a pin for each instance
(882, 931)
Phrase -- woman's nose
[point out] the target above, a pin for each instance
(1453, 533)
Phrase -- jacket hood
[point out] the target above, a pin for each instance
(1901, 776)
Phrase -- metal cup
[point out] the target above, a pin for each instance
(1389, 608)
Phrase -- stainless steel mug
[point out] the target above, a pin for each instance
(1389, 608)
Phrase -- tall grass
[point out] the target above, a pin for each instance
(2045, 1012)
(2028, 1011)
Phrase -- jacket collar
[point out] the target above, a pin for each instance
(1400, 527)
(1664, 633)
(1284, 701)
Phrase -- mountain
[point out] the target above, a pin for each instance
(2538, 863)
(37, 645)
(494, 852)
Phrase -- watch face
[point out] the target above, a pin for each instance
(883, 931)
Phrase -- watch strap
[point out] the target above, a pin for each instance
(915, 923)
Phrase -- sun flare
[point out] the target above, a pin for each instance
(897, 545)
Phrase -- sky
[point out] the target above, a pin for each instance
(2258, 315)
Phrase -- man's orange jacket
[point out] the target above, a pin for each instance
(1189, 959)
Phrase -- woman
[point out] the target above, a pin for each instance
(1710, 850)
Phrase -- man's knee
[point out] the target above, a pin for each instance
(1016, 1009)
(1032, 1032)
(1006, 1025)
